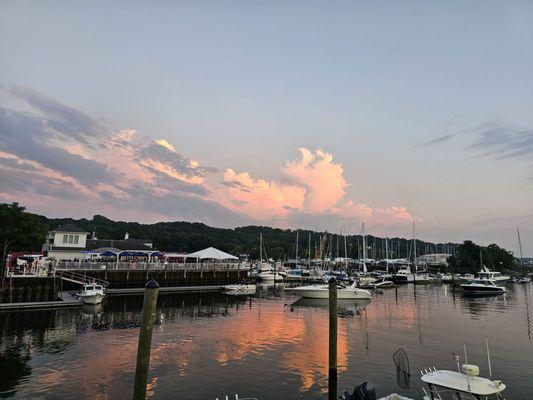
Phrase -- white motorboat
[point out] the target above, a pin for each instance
(240, 289)
(464, 278)
(524, 279)
(382, 283)
(367, 282)
(322, 292)
(270, 276)
(463, 383)
(91, 293)
(466, 382)
(403, 276)
(483, 287)
(493, 276)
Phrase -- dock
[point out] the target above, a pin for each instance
(67, 300)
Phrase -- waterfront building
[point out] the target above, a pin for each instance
(69, 242)
(438, 259)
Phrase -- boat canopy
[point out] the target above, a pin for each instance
(212, 253)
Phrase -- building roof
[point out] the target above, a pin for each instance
(122, 244)
(68, 228)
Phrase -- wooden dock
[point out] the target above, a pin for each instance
(67, 300)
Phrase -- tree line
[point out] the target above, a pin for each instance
(25, 231)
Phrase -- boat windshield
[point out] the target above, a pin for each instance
(89, 287)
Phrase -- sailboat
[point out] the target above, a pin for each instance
(265, 271)
(365, 281)
(526, 278)
(418, 278)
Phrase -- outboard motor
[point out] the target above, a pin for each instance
(364, 391)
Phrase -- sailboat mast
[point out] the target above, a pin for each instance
(261, 247)
(520, 247)
(296, 248)
(414, 248)
(364, 249)
(309, 255)
(387, 253)
(345, 253)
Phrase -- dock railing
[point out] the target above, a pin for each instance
(143, 266)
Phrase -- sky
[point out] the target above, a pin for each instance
(319, 115)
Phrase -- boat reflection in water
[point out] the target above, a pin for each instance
(345, 307)
(208, 344)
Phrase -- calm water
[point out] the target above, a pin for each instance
(267, 346)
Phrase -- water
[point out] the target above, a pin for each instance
(209, 345)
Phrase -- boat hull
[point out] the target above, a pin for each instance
(322, 292)
(92, 299)
(479, 290)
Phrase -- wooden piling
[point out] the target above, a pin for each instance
(151, 290)
(332, 368)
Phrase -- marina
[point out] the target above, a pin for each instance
(202, 341)
(266, 200)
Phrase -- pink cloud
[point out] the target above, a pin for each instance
(313, 184)
(259, 198)
(322, 178)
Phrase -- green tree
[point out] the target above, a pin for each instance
(468, 258)
(20, 230)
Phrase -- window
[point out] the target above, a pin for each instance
(65, 238)
(70, 239)
(76, 239)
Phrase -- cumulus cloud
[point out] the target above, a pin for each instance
(320, 176)
(56, 159)
(310, 188)
(53, 154)
(166, 145)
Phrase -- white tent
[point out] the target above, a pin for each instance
(213, 253)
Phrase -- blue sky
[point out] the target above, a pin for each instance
(244, 85)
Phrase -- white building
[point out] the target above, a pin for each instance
(434, 259)
(67, 242)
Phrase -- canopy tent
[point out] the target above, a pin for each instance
(213, 253)
(128, 253)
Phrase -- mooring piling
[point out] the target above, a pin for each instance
(332, 368)
(151, 290)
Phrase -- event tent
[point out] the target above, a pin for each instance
(212, 253)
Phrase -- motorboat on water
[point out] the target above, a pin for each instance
(403, 276)
(524, 279)
(338, 275)
(366, 282)
(343, 304)
(322, 292)
(382, 283)
(91, 293)
(483, 287)
(270, 276)
(497, 277)
(465, 383)
(239, 289)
